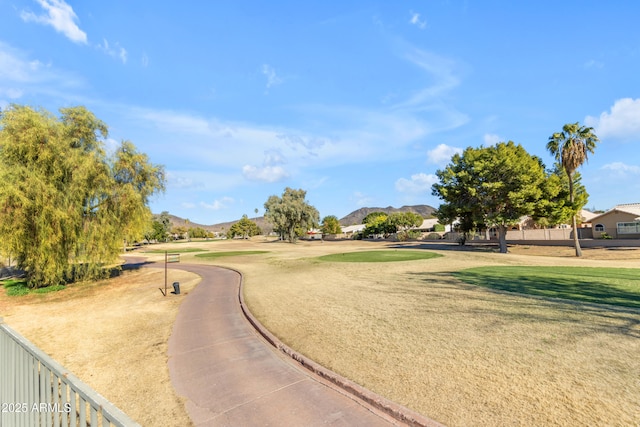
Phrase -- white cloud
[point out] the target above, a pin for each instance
(14, 67)
(193, 180)
(491, 139)
(418, 184)
(274, 157)
(60, 16)
(188, 205)
(621, 122)
(442, 154)
(218, 204)
(116, 51)
(620, 168)
(21, 75)
(265, 173)
(272, 77)
(361, 199)
(415, 20)
(442, 71)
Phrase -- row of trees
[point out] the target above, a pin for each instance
(496, 186)
(66, 206)
(380, 223)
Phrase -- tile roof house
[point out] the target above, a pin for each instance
(621, 222)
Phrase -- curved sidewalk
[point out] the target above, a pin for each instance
(230, 376)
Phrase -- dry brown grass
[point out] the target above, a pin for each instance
(407, 330)
(113, 336)
(459, 354)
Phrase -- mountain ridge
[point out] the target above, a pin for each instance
(353, 218)
(358, 215)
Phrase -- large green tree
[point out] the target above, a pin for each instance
(554, 207)
(490, 186)
(376, 224)
(403, 221)
(290, 214)
(331, 225)
(65, 205)
(571, 148)
(244, 228)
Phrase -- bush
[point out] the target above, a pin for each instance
(605, 236)
(433, 236)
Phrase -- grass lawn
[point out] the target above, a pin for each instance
(19, 287)
(615, 286)
(228, 253)
(412, 331)
(176, 251)
(379, 256)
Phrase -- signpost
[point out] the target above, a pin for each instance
(167, 259)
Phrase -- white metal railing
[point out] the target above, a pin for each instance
(35, 390)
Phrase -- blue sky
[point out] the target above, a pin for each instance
(359, 103)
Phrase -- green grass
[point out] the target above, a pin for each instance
(379, 256)
(615, 286)
(229, 253)
(16, 288)
(175, 251)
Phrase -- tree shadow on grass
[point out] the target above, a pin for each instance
(614, 318)
(576, 284)
(133, 263)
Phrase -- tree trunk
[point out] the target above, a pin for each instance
(576, 242)
(502, 238)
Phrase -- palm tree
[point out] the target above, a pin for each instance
(571, 148)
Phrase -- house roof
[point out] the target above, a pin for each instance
(628, 208)
(587, 216)
(428, 223)
(353, 228)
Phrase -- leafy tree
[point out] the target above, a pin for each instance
(290, 214)
(373, 217)
(377, 224)
(571, 148)
(199, 233)
(554, 207)
(65, 206)
(402, 221)
(245, 228)
(331, 225)
(160, 228)
(493, 186)
(180, 231)
(156, 232)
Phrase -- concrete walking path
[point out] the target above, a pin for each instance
(231, 376)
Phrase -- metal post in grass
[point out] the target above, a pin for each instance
(167, 259)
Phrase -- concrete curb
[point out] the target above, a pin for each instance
(392, 409)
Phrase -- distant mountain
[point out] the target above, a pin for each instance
(356, 217)
(353, 218)
(176, 221)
